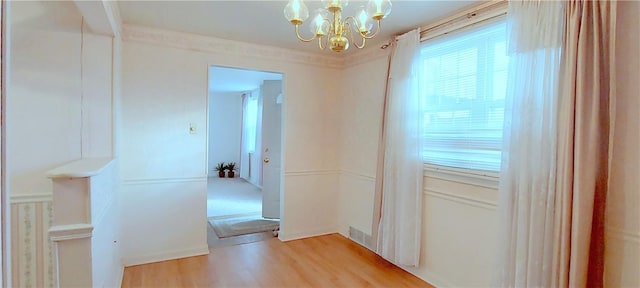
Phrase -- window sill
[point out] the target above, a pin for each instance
(485, 179)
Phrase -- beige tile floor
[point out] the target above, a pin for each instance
(232, 197)
(228, 197)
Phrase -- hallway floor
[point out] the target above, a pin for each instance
(235, 196)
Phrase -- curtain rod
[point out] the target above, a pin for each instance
(459, 20)
(464, 18)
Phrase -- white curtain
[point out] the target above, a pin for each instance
(556, 148)
(528, 173)
(399, 230)
(256, 157)
(249, 134)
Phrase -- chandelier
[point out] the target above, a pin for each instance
(329, 27)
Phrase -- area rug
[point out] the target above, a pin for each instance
(229, 227)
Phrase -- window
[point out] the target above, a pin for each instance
(463, 88)
(251, 121)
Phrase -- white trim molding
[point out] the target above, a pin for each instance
(31, 198)
(201, 43)
(70, 232)
(284, 237)
(83, 168)
(428, 276)
(359, 175)
(168, 255)
(365, 56)
(163, 180)
(620, 234)
(464, 176)
(311, 172)
(113, 14)
(462, 199)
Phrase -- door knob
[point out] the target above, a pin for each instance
(266, 160)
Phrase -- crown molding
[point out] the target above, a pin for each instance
(365, 56)
(201, 43)
(113, 13)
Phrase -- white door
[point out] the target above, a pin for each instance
(271, 147)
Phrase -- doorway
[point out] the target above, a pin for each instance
(244, 148)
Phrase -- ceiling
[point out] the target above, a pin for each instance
(262, 22)
(223, 79)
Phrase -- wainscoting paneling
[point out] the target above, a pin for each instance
(32, 260)
(459, 227)
(459, 234)
(163, 219)
(356, 201)
(311, 196)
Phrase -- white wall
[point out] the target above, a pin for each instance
(60, 97)
(164, 167)
(361, 111)
(44, 92)
(459, 221)
(225, 129)
(53, 98)
(622, 258)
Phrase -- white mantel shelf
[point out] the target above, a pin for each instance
(81, 168)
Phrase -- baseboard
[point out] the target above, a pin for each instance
(119, 276)
(234, 215)
(170, 255)
(428, 277)
(435, 281)
(312, 233)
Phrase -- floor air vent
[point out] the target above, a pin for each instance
(360, 237)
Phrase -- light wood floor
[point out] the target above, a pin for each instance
(323, 261)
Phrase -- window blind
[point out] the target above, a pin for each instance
(463, 88)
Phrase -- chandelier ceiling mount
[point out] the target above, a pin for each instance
(331, 30)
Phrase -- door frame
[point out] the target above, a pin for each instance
(282, 125)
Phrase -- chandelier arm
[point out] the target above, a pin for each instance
(367, 35)
(300, 37)
(320, 43)
(329, 32)
(379, 27)
(350, 33)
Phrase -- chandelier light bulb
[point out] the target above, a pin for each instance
(319, 26)
(365, 22)
(378, 9)
(296, 12)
